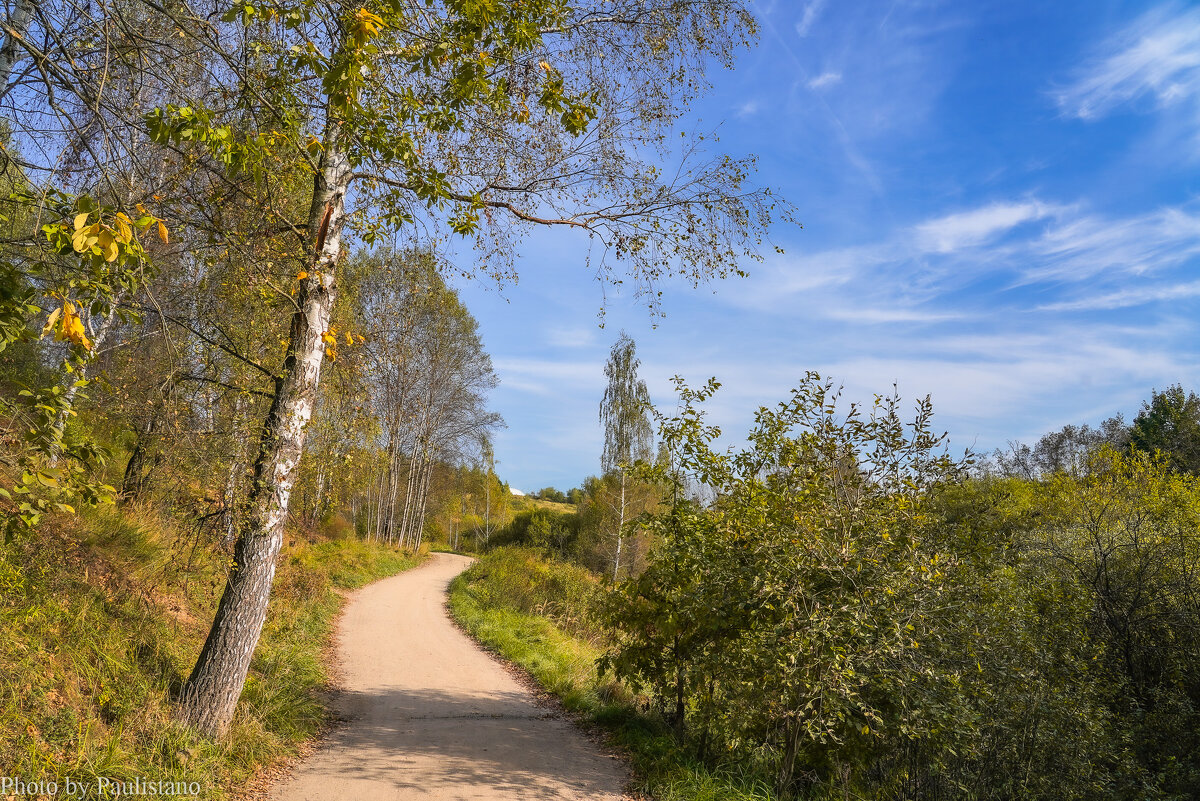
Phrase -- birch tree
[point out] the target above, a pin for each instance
(628, 435)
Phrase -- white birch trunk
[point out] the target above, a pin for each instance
(212, 691)
(620, 528)
(16, 28)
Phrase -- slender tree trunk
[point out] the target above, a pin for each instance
(487, 508)
(211, 693)
(620, 528)
(16, 28)
(420, 527)
(372, 518)
(375, 513)
(411, 500)
(409, 490)
(134, 480)
(315, 514)
(787, 762)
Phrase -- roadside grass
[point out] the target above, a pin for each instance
(525, 608)
(103, 615)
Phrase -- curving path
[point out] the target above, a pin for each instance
(431, 716)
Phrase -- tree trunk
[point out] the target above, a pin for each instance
(620, 526)
(487, 508)
(211, 693)
(420, 524)
(787, 762)
(314, 516)
(16, 28)
(140, 462)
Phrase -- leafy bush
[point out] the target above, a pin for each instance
(542, 529)
(853, 614)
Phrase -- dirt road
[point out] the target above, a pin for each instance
(430, 716)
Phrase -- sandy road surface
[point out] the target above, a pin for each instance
(430, 716)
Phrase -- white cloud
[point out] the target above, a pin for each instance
(570, 337)
(1065, 258)
(887, 315)
(1086, 246)
(811, 12)
(954, 232)
(748, 108)
(549, 377)
(1124, 298)
(1157, 56)
(825, 79)
(1003, 376)
(980, 383)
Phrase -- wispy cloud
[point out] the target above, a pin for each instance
(1157, 56)
(811, 11)
(1125, 298)
(1086, 246)
(978, 226)
(749, 108)
(995, 377)
(549, 377)
(858, 313)
(1064, 257)
(825, 79)
(571, 337)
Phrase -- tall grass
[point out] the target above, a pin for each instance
(532, 611)
(103, 616)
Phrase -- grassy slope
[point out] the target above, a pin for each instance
(104, 615)
(496, 601)
(520, 503)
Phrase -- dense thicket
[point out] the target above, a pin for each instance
(841, 606)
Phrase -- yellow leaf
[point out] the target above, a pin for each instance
(71, 327)
(544, 65)
(162, 232)
(108, 245)
(349, 338)
(366, 25)
(50, 321)
(330, 354)
(300, 276)
(80, 220)
(124, 231)
(141, 209)
(866, 729)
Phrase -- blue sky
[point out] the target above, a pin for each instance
(1000, 210)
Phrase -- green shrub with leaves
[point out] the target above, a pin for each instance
(841, 605)
(828, 596)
